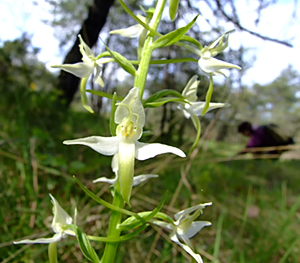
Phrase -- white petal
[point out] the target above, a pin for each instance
(145, 151)
(98, 80)
(213, 65)
(197, 257)
(197, 107)
(104, 145)
(61, 218)
(184, 111)
(105, 180)
(132, 100)
(166, 225)
(86, 52)
(115, 163)
(131, 32)
(141, 178)
(53, 239)
(196, 227)
(80, 70)
(190, 91)
(189, 210)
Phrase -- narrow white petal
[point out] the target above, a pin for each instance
(104, 145)
(105, 180)
(145, 151)
(98, 80)
(142, 178)
(61, 218)
(115, 163)
(182, 108)
(213, 65)
(196, 227)
(131, 32)
(197, 257)
(189, 210)
(197, 107)
(166, 225)
(85, 50)
(190, 91)
(53, 239)
(80, 70)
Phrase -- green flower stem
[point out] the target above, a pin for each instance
(165, 61)
(141, 73)
(52, 252)
(113, 232)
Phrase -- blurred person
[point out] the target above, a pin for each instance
(264, 136)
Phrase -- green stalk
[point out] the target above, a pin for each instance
(115, 218)
(141, 73)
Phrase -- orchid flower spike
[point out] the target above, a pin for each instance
(193, 107)
(86, 68)
(210, 65)
(60, 220)
(185, 228)
(130, 117)
(132, 31)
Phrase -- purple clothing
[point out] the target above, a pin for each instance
(260, 137)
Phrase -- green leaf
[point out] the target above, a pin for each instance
(122, 61)
(208, 95)
(112, 124)
(120, 238)
(192, 41)
(84, 98)
(173, 8)
(86, 247)
(163, 101)
(163, 93)
(173, 37)
(144, 217)
(197, 125)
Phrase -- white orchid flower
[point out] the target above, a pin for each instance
(115, 167)
(86, 68)
(60, 220)
(194, 107)
(132, 31)
(211, 65)
(185, 228)
(130, 116)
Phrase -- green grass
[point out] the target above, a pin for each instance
(255, 211)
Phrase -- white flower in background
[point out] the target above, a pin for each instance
(130, 116)
(194, 107)
(86, 68)
(60, 220)
(211, 65)
(185, 228)
(115, 167)
(132, 31)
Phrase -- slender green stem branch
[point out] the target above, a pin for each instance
(141, 73)
(115, 218)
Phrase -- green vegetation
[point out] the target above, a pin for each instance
(255, 211)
